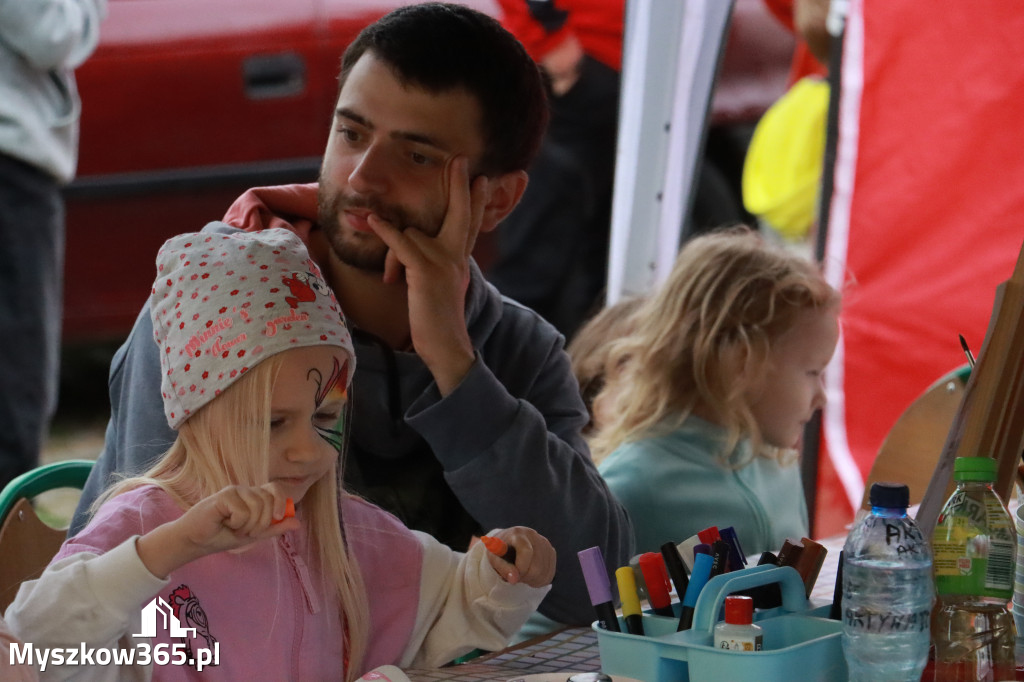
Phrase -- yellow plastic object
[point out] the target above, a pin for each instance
(782, 170)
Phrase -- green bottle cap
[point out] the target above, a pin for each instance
(974, 469)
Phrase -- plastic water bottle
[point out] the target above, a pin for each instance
(887, 592)
(975, 552)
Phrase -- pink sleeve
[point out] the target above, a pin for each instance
(135, 512)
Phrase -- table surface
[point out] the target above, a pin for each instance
(570, 651)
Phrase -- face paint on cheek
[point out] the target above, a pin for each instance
(333, 389)
(338, 392)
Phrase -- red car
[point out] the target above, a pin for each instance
(187, 103)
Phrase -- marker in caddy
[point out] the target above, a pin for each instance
(652, 565)
(809, 564)
(720, 558)
(676, 569)
(709, 535)
(686, 551)
(790, 553)
(698, 578)
(765, 596)
(599, 587)
(626, 580)
(836, 612)
(638, 576)
(737, 559)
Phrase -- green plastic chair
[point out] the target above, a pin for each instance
(26, 543)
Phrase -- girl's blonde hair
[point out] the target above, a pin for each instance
(588, 350)
(214, 449)
(704, 337)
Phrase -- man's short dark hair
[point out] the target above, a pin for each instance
(440, 47)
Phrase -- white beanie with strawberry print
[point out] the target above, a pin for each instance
(222, 303)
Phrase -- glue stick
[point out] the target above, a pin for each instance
(738, 633)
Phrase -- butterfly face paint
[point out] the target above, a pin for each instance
(333, 389)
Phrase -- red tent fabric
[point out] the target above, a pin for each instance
(927, 212)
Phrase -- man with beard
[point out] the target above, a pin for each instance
(464, 413)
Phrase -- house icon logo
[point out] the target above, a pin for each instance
(159, 610)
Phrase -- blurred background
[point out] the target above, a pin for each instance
(187, 103)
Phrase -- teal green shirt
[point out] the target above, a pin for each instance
(674, 485)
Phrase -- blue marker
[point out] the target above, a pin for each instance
(737, 559)
(698, 578)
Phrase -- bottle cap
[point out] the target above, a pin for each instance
(974, 469)
(739, 610)
(890, 495)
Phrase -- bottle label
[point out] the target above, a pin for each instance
(974, 544)
(740, 643)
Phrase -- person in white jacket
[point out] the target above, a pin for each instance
(41, 43)
(241, 529)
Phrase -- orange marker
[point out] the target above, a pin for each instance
(499, 548)
(289, 510)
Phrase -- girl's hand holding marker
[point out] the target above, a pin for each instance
(521, 554)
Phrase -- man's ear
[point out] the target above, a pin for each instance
(504, 193)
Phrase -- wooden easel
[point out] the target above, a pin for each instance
(990, 420)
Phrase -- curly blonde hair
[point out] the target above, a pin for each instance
(704, 337)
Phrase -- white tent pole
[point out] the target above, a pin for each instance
(670, 60)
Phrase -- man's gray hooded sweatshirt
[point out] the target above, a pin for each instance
(503, 449)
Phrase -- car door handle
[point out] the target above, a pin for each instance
(274, 75)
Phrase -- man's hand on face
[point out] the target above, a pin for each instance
(437, 276)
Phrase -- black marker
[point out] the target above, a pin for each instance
(836, 612)
(720, 557)
(676, 568)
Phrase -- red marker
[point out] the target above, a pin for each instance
(289, 511)
(652, 565)
(709, 535)
(500, 548)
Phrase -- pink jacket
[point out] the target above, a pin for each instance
(263, 607)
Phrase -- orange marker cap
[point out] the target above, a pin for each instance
(289, 510)
(494, 545)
